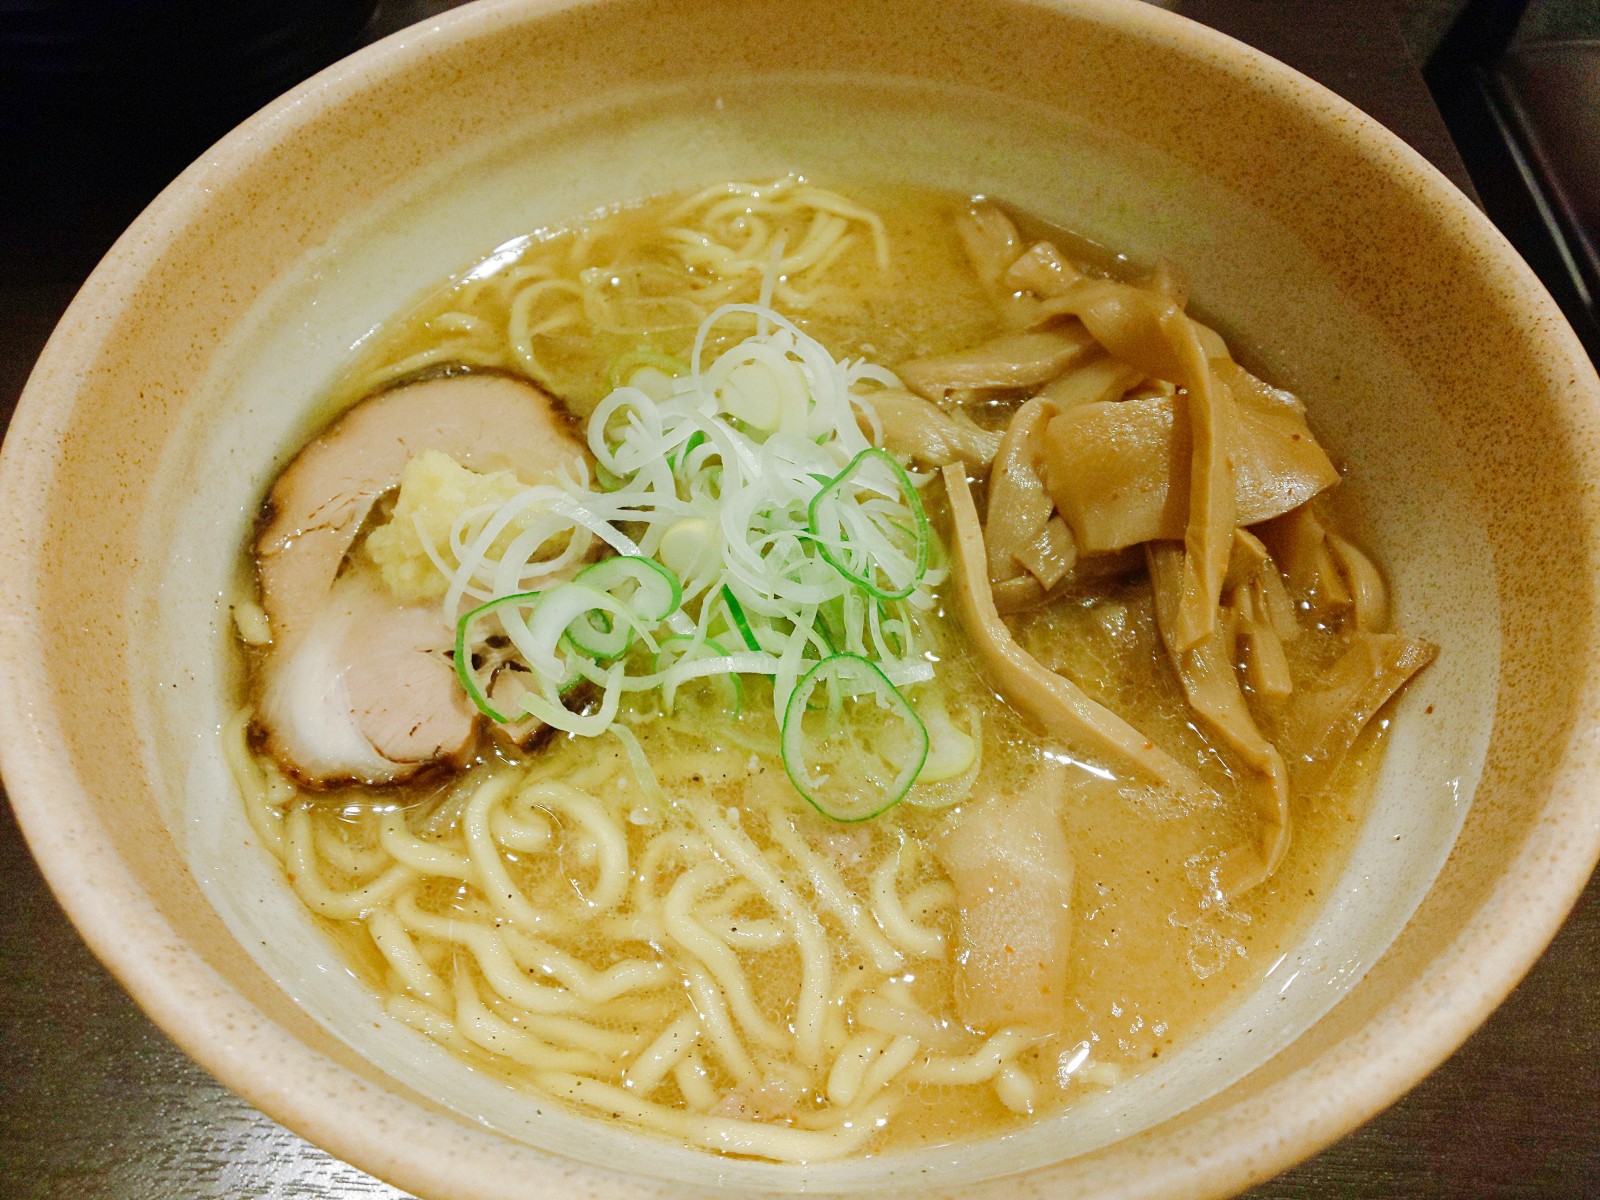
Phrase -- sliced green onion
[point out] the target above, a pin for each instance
(583, 724)
(681, 646)
(888, 557)
(951, 751)
(890, 633)
(642, 771)
(593, 621)
(463, 657)
(600, 634)
(858, 753)
(638, 593)
(831, 625)
(772, 527)
(936, 787)
(628, 365)
(740, 622)
(650, 590)
(689, 548)
(680, 456)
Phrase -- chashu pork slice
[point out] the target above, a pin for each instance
(368, 691)
(318, 505)
(357, 685)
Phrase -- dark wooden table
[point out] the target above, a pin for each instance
(97, 1104)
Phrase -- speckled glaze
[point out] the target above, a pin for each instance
(1458, 400)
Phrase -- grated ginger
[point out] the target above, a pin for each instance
(436, 493)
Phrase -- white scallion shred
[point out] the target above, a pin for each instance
(715, 474)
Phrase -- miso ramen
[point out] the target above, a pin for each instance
(810, 674)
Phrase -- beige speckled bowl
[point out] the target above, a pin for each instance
(1437, 368)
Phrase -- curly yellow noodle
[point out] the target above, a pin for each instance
(253, 777)
(738, 851)
(748, 933)
(1016, 1090)
(657, 1060)
(577, 1034)
(694, 1083)
(721, 1037)
(850, 1066)
(425, 856)
(425, 1019)
(715, 957)
(726, 1133)
(916, 940)
(611, 842)
(981, 1065)
(490, 874)
(896, 1057)
(929, 898)
(392, 938)
(478, 1025)
(305, 875)
(834, 896)
(335, 848)
(452, 353)
(594, 987)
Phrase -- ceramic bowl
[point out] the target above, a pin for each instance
(1440, 372)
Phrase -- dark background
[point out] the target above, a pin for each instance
(101, 103)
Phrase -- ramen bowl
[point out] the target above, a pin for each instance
(1439, 372)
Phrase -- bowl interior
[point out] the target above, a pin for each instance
(186, 374)
(262, 383)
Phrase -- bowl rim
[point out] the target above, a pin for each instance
(430, 1151)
